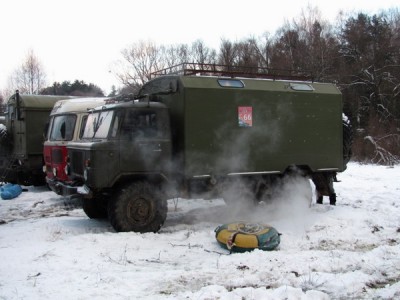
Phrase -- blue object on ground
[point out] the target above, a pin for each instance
(10, 191)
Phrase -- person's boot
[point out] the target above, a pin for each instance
(319, 200)
(332, 199)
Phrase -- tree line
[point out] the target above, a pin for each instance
(360, 53)
(75, 88)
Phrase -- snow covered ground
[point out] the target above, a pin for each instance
(50, 250)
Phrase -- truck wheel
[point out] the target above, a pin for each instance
(94, 208)
(138, 207)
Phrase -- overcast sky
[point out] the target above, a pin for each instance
(81, 39)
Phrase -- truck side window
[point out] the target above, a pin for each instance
(139, 124)
(115, 125)
(233, 83)
(83, 124)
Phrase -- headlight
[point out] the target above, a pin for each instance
(55, 172)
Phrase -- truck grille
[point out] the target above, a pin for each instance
(56, 156)
(77, 163)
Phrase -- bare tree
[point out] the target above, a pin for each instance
(227, 53)
(306, 45)
(140, 60)
(143, 58)
(287, 47)
(263, 49)
(198, 52)
(177, 54)
(247, 54)
(30, 77)
(202, 54)
(321, 46)
(5, 94)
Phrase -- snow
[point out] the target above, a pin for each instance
(49, 249)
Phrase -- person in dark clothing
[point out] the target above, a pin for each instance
(324, 186)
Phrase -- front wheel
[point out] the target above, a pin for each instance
(138, 207)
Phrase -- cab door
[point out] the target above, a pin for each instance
(145, 145)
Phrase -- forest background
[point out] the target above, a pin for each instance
(360, 54)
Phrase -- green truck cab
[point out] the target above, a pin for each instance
(22, 137)
(184, 134)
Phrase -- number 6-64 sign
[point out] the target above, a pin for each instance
(245, 114)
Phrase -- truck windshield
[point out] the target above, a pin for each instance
(98, 125)
(63, 128)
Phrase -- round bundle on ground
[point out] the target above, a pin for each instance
(241, 236)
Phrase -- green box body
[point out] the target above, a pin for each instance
(286, 125)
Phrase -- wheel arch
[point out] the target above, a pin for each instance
(152, 178)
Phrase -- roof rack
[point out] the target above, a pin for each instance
(196, 69)
(121, 98)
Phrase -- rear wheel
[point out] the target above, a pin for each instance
(138, 207)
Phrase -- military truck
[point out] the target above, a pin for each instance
(21, 140)
(203, 130)
(66, 123)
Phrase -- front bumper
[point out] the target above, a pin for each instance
(61, 188)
